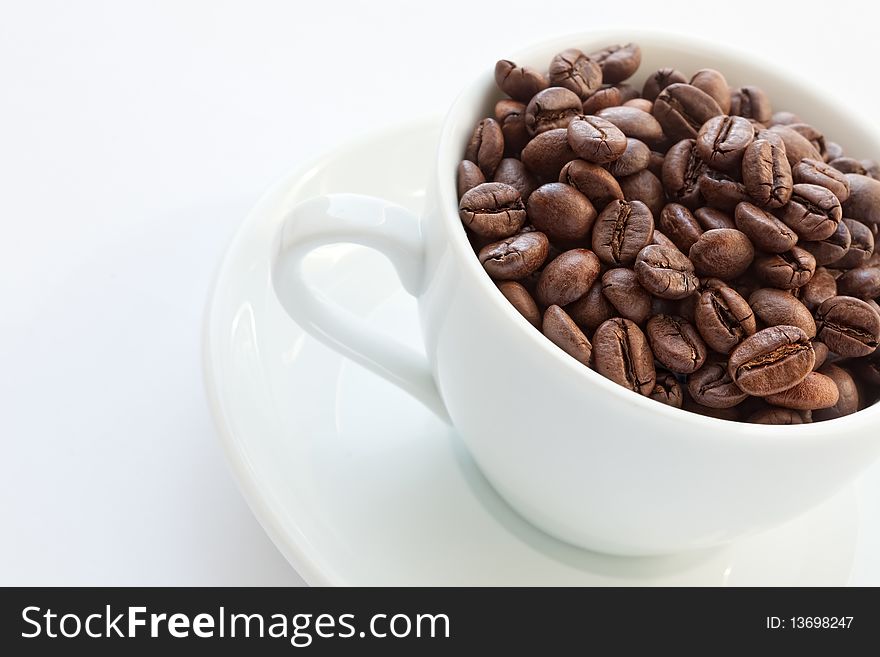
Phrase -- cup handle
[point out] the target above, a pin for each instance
(377, 224)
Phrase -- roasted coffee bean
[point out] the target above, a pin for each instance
(764, 230)
(666, 272)
(787, 271)
(775, 415)
(621, 354)
(468, 177)
(712, 218)
(511, 116)
(722, 140)
(848, 394)
(862, 283)
(622, 289)
(644, 186)
(861, 246)
(515, 257)
(519, 298)
(722, 191)
(723, 253)
(848, 165)
(872, 168)
(813, 212)
(849, 326)
(622, 229)
(820, 287)
(519, 82)
(833, 151)
(655, 164)
(592, 309)
(771, 360)
(833, 248)
(513, 172)
(602, 98)
(766, 173)
(751, 103)
(722, 316)
(784, 118)
(618, 62)
(567, 277)
(774, 307)
(561, 211)
(816, 172)
(551, 109)
(797, 147)
(634, 123)
(712, 386)
(680, 226)
(634, 159)
(486, 147)
(732, 414)
(713, 83)
(821, 354)
(659, 80)
(661, 240)
(573, 70)
(547, 153)
(681, 173)
(493, 210)
(594, 139)
(566, 335)
(816, 391)
(682, 109)
(676, 343)
(627, 92)
(863, 203)
(593, 181)
(808, 132)
(667, 390)
(869, 369)
(640, 103)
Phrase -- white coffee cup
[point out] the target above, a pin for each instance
(582, 458)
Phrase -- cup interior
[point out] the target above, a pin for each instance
(788, 89)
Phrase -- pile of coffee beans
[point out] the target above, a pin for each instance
(685, 240)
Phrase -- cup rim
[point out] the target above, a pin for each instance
(449, 154)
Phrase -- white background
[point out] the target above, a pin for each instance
(134, 137)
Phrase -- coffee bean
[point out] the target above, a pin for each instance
(714, 84)
(722, 140)
(547, 153)
(493, 210)
(561, 211)
(622, 229)
(594, 139)
(816, 391)
(751, 103)
(667, 390)
(519, 298)
(468, 177)
(566, 335)
(712, 386)
(849, 326)
(680, 226)
(682, 109)
(868, 369)
(676, 343)
(627, 92)
(618, 62)
(808, 132)
(872, 168)
(551, 109)
(863, 203)
(661, 240)
(515, 257)
(621, 354)
(640, 103)
(681, 173)
(576, 72)
(592, 309)
(659, 80)
(634, 123)
(813, 212)
(511, 116)
(712, 218)
(721, 191)
(797, 147)
(567, 277)
(644, 186)
(764, 230)
(655, 164)
(722, 316)
(592, 180)
(518, 82)
(513, 172)
(724, 253)
(861, 246)
(730, 414)
(775, 415)
(848, 165)
(784, 118)
(771, 360)
(622, 289)
(848, 394)
(821, 354)
(774, 307)
(833, 151)
(666, 272)
(820, 287)
(602, 98)
(786, 271)
(486, 146)
(816, 172)
(634, 159)
(766, 173)
(833, 248)
(862, 283)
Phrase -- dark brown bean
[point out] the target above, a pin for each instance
(561, 211)
(618, 62)
(712, 386)
(820, 287)
(833, 248)
(659, 80)
(486, 147)
(771, 360)
(681, 173)
(515, 257)
(849, 326)
(592, 309)
(594, 139)
(511, 116)
(468, 177)
(775, 415)
(862, 283)
(680, 226)
(848, 394)
(667, 390)
(621, 354)
(764, 230)
(493, 210)
(816, 172)
(622, 289)
(713, 83)
(713, 218)
(666, 272)
(676, 343)
(576, 72)
(861, 245)
(635, 123)
(644, 186)
(547, 153)
(813, 212)
(774, 307)
(518, 82)
(551, 109)
(514, 173)
(622, 229)
(722, 316)
(808, 132)
(766, 173)
(682, 109)
(606, 97)
(566, 335)
(567, 277)
(787, 271)
(752, 103)
(723, 253)
(863, 203)
(634, 159)
(519, 298)
(816, 391)
(797, 147)
(721, 191)
(592, 180)
(723, 139)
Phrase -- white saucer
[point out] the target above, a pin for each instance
(357, 484)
